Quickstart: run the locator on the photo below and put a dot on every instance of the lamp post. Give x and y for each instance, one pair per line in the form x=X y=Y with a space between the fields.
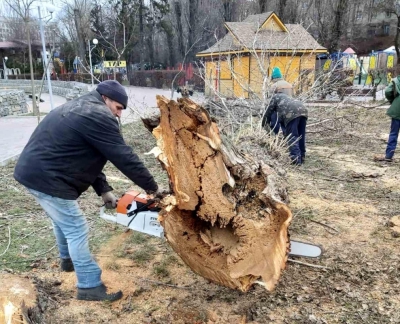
x=45 y=59
x=95 y=42
x=5 y=67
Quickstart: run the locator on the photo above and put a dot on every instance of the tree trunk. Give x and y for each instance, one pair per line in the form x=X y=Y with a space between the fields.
x=193 y=6
x=339 y=24
x=142 y=45
x=178 y=12
x=18 y=300
x=81 y=41
x=166 y=26
x=226 y=218
x=397 y=39
x=35 y=107
x=228 y=10
x=263 y=5
x=150 y=46
x=281 y=9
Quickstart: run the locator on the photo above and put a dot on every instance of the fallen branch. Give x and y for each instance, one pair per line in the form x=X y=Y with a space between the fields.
x=320 y=122
x=368 y=107
x=45 y=252
x=309 y=264
x=9 y=241
x=163 y=284
x=322 y=224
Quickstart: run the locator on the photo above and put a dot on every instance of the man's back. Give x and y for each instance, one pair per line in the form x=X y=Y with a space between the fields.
x=282 y=86
x=58 y=153
x=286 y=107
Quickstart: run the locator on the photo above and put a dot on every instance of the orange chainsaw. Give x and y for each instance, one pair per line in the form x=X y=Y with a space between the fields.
x=139 y=212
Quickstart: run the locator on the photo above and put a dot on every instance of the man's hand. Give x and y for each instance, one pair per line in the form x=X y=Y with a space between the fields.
x=109 y=200
x=159 y=194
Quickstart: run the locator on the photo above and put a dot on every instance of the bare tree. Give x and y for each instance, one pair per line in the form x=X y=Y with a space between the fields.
x=78 y=11
x=393 y=7
x=22 y=9
x=263 y=5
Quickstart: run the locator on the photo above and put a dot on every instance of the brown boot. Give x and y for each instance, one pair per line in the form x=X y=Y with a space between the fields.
x=382 y=158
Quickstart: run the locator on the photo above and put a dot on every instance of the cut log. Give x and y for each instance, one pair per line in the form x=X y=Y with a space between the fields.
x=18 y=299
x=226 y=218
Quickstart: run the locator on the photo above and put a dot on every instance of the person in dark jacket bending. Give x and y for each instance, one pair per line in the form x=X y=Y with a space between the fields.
x=294 y=116
x=63 y=158
x=279 y=86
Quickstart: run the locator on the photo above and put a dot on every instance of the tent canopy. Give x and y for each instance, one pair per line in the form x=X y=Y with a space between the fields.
x=349 y=50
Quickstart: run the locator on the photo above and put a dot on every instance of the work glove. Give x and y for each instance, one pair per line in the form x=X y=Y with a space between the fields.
x=159 y=194
x=110 y=201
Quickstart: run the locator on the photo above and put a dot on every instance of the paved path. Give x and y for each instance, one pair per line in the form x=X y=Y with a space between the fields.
x=14 y=134
x=16 y=131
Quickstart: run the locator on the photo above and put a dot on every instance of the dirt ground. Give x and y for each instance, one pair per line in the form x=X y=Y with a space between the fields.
x=341 y=199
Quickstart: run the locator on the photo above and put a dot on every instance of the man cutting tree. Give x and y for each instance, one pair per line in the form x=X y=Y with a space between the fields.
x=63 y=158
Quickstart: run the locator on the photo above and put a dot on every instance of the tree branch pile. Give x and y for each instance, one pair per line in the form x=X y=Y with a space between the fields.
x=226 y=217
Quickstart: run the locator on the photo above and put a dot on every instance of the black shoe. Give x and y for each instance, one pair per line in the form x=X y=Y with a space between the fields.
x=97 y=294
x=67 y=265
x=303 y=158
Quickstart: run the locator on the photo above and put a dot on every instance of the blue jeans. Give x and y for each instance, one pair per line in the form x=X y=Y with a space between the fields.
x=296 y=131
x=72 y=232
x=394 y=134
x=275 y=124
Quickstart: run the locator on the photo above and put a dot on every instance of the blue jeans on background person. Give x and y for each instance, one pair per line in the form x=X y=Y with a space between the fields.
x=296 y=131
x=392 y=141
x=275 y=124
x=72 y=235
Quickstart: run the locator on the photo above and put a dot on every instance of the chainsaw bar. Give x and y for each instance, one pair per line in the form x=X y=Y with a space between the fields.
x=302 y=249
x=147 y=222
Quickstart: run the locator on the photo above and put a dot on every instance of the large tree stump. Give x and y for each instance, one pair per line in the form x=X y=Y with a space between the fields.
x=226 y=219
x=18 y=299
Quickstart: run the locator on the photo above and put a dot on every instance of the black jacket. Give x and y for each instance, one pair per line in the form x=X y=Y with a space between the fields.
x=68 y=150
x=286 y=107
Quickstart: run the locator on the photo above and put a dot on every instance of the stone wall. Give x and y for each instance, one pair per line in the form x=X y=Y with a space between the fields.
x=12 y=102
x=66 y=89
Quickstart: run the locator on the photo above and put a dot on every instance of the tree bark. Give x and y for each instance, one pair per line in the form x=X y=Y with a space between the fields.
x=226 y=218
x=339 y=24
x=397 y=39
x=193 y=11
x=166 y=26
x=228 y=10
x=263 y=5
x=142 y=45
x=81 y=41
x=281 y=9
x=178 y=12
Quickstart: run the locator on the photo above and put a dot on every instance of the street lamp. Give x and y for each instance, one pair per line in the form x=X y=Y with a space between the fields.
x=5 y=67
x=95 y=42
x=45 y=57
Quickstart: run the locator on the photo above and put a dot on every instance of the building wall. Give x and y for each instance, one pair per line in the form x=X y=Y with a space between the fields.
x=296 y=69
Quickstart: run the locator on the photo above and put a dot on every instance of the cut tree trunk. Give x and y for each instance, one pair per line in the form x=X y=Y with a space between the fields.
x=225 y=218
x=18 y=299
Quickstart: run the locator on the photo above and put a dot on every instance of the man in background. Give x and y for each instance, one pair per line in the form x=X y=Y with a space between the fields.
x=294 y=116
x=279 y=86
x=392 y=92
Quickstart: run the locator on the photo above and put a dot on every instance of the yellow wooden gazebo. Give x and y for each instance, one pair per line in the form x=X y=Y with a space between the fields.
x=239 y=64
